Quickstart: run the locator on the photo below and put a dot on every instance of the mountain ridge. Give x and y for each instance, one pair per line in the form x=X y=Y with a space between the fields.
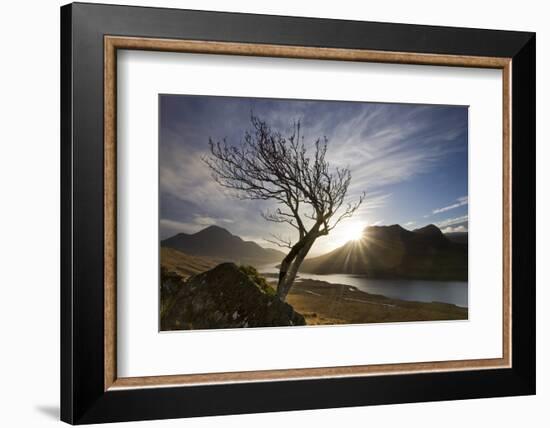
x=217 y=242
x=394 y=252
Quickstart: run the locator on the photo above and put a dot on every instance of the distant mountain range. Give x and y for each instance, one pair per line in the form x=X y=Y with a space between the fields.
x=383 y=252
x=394 y=252
x=461 y=237
x=218 y=243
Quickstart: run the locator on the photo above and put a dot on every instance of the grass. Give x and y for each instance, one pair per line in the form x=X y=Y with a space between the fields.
x=321 y=302
x=324 y=303
x=255 y=276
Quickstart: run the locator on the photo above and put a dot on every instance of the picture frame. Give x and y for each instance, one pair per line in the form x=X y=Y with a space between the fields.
x=91 y=390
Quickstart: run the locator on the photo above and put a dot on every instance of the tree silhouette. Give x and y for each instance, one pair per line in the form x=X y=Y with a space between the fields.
x=310 y=195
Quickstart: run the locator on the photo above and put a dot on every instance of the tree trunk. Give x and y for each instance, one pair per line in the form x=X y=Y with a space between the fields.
x=291 y=264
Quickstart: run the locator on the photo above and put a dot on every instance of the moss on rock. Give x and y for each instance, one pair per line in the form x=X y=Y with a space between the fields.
x=227 y=296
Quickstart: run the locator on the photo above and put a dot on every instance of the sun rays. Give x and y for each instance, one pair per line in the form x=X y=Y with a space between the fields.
x=352 y=231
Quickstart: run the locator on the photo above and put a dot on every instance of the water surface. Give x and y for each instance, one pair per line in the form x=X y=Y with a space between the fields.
x=454 y=292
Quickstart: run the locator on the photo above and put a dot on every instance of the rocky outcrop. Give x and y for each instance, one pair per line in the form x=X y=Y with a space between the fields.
x=225 y=297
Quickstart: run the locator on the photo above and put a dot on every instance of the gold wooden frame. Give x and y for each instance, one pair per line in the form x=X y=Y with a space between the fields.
x=113 y=43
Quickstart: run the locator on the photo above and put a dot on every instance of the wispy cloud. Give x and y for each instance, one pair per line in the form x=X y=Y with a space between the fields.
x=381 y=144
x=385 y=144
x=452 y=221
x=463 y=200
x=451 y=229
x=207 y=221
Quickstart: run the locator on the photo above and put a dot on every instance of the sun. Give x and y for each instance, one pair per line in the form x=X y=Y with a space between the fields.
x=353 y=231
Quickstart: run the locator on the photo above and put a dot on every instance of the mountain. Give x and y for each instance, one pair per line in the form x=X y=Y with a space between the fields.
x=217 y=242
x=461 y=237
x=393 y=252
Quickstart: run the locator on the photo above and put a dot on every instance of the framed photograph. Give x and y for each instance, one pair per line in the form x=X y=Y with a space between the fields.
x=266 y=213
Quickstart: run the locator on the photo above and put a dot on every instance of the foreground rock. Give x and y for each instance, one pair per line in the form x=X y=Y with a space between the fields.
x=225 y=297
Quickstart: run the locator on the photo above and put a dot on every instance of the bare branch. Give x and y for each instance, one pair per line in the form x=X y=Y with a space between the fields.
x=280 y=241
x=267 y=165
x=280 y=217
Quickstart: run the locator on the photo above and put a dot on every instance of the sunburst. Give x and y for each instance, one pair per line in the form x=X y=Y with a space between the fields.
x=352 y=231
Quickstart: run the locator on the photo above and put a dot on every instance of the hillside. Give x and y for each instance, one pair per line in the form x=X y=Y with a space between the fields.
x=184 y=264
x=460 y=237
x=216 y=242
x=393 y=252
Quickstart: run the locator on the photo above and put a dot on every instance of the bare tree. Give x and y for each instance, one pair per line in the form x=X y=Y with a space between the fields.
x=310 y=195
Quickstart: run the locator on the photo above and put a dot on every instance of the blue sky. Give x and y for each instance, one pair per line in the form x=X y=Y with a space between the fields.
x=410 y=159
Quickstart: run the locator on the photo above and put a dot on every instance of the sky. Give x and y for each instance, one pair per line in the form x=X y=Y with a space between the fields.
x=411 y=160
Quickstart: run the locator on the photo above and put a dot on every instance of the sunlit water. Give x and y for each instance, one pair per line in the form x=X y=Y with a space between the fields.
x=454 y=292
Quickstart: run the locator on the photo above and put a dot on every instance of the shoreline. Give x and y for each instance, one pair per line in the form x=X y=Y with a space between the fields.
x=326 y=279
x=323 y=303
x=319 y=301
